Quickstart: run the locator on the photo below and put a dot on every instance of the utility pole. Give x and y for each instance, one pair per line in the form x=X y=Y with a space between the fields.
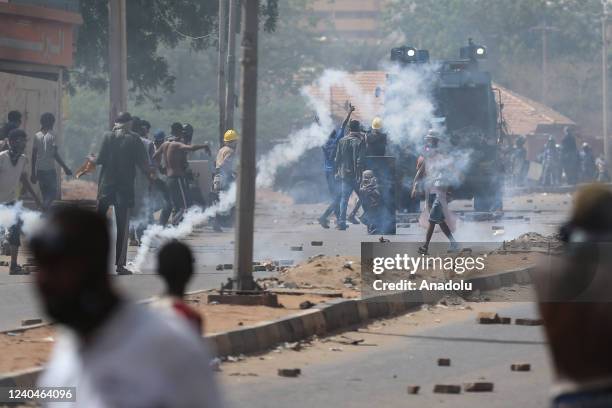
x=230 y=101
x=221 y=72
x=544 y=29
x=604 y=80
x=245 y=207
x=117 y=52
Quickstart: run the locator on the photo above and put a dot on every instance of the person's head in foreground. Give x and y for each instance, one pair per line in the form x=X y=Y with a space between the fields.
x=123 y=354
x=71 y=252
x=576 y=304
x=175 y=266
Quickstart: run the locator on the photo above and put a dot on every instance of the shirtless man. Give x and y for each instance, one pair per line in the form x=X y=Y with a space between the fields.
x=174 y=155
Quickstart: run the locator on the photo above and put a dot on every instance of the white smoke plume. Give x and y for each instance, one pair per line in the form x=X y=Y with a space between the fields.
x=10 y=214
x=409 y=108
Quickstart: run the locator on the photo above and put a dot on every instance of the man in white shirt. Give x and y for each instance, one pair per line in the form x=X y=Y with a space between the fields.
x=44 y=156
x=12 y=172
x=116 y=354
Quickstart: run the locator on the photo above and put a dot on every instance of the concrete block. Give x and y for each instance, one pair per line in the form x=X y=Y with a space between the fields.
x=447 y=389
x=488 y=318
x=413 y=389
x=478 y=387
x=289 y=372
x=520 y=367
x=444 y=362
x=528 y=322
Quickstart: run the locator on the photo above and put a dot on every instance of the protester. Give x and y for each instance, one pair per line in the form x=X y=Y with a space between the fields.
x=373 y=206
x=329 y=158
x=225 y=170
x=12 y=172
x=44 y=157
x=602 y=170
x=588 y=167
x=175 y=266
x=569 y=156
x=114 y=353
x=519 y=163
x=141 y=214
x=162 y=199
x=376 y=139
x=350 y=163
x=13 y=121
x=120 y=154
x=550 y=164
x=174 y=155
x=434 y=171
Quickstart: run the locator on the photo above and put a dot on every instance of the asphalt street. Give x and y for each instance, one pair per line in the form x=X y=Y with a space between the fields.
x=278 y=228
x=378 y=376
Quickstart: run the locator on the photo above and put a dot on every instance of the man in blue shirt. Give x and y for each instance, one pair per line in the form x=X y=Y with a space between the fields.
x=329 y=155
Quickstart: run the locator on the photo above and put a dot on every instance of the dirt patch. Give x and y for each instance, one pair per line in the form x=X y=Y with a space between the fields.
x=324 y=272
x=26 y=349
x=31 y=348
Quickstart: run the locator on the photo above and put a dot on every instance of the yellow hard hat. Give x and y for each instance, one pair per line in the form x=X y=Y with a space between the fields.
x=230 y=136
x=377 y=123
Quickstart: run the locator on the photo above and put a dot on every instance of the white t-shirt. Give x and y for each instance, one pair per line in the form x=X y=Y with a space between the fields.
x=136 y=360
x=45 y=151
x=10 y=175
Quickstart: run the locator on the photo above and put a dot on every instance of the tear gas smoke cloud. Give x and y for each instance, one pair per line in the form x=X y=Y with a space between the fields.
x=9 y=215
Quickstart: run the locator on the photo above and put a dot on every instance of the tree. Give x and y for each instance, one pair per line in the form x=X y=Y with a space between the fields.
x=151 y=26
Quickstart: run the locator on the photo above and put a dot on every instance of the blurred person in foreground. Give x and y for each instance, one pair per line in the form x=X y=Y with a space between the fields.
x=114 y=352
x=576 y=304
x=175 y=266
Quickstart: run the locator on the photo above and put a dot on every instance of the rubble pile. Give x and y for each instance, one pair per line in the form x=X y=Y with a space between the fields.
x=531 y=240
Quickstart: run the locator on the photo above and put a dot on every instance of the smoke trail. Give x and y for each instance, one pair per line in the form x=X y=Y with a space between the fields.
x=11 y=214
x=156 y=235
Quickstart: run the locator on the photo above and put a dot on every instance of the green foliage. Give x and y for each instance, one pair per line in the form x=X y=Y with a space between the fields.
x=152 y=25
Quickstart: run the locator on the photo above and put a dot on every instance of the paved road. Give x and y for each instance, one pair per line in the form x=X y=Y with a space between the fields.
x=278 y=227
x=378 y=376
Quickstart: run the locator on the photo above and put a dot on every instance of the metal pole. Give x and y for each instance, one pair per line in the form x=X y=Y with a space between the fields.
x=221 y=72
x=243 y=255
x=117 y=46
x=604 y=80
x=545 y=65
x=230 y=101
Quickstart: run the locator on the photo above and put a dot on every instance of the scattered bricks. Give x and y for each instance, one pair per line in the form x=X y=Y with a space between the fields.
x=444 y=362
x=297 y=248
x=520 y=367
x=228 y=266
x=31 y=322
x=413 y=389
x=219 y=267
x=259 y=268
x=488 y=318
x=447 y=389
x=505 y=320
x=306 y=305
x=316 y=243
x=478 y=387
x=289 y=372
x=528 y=322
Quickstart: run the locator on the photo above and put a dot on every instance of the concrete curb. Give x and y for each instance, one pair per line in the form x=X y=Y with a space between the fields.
x=322 y=319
